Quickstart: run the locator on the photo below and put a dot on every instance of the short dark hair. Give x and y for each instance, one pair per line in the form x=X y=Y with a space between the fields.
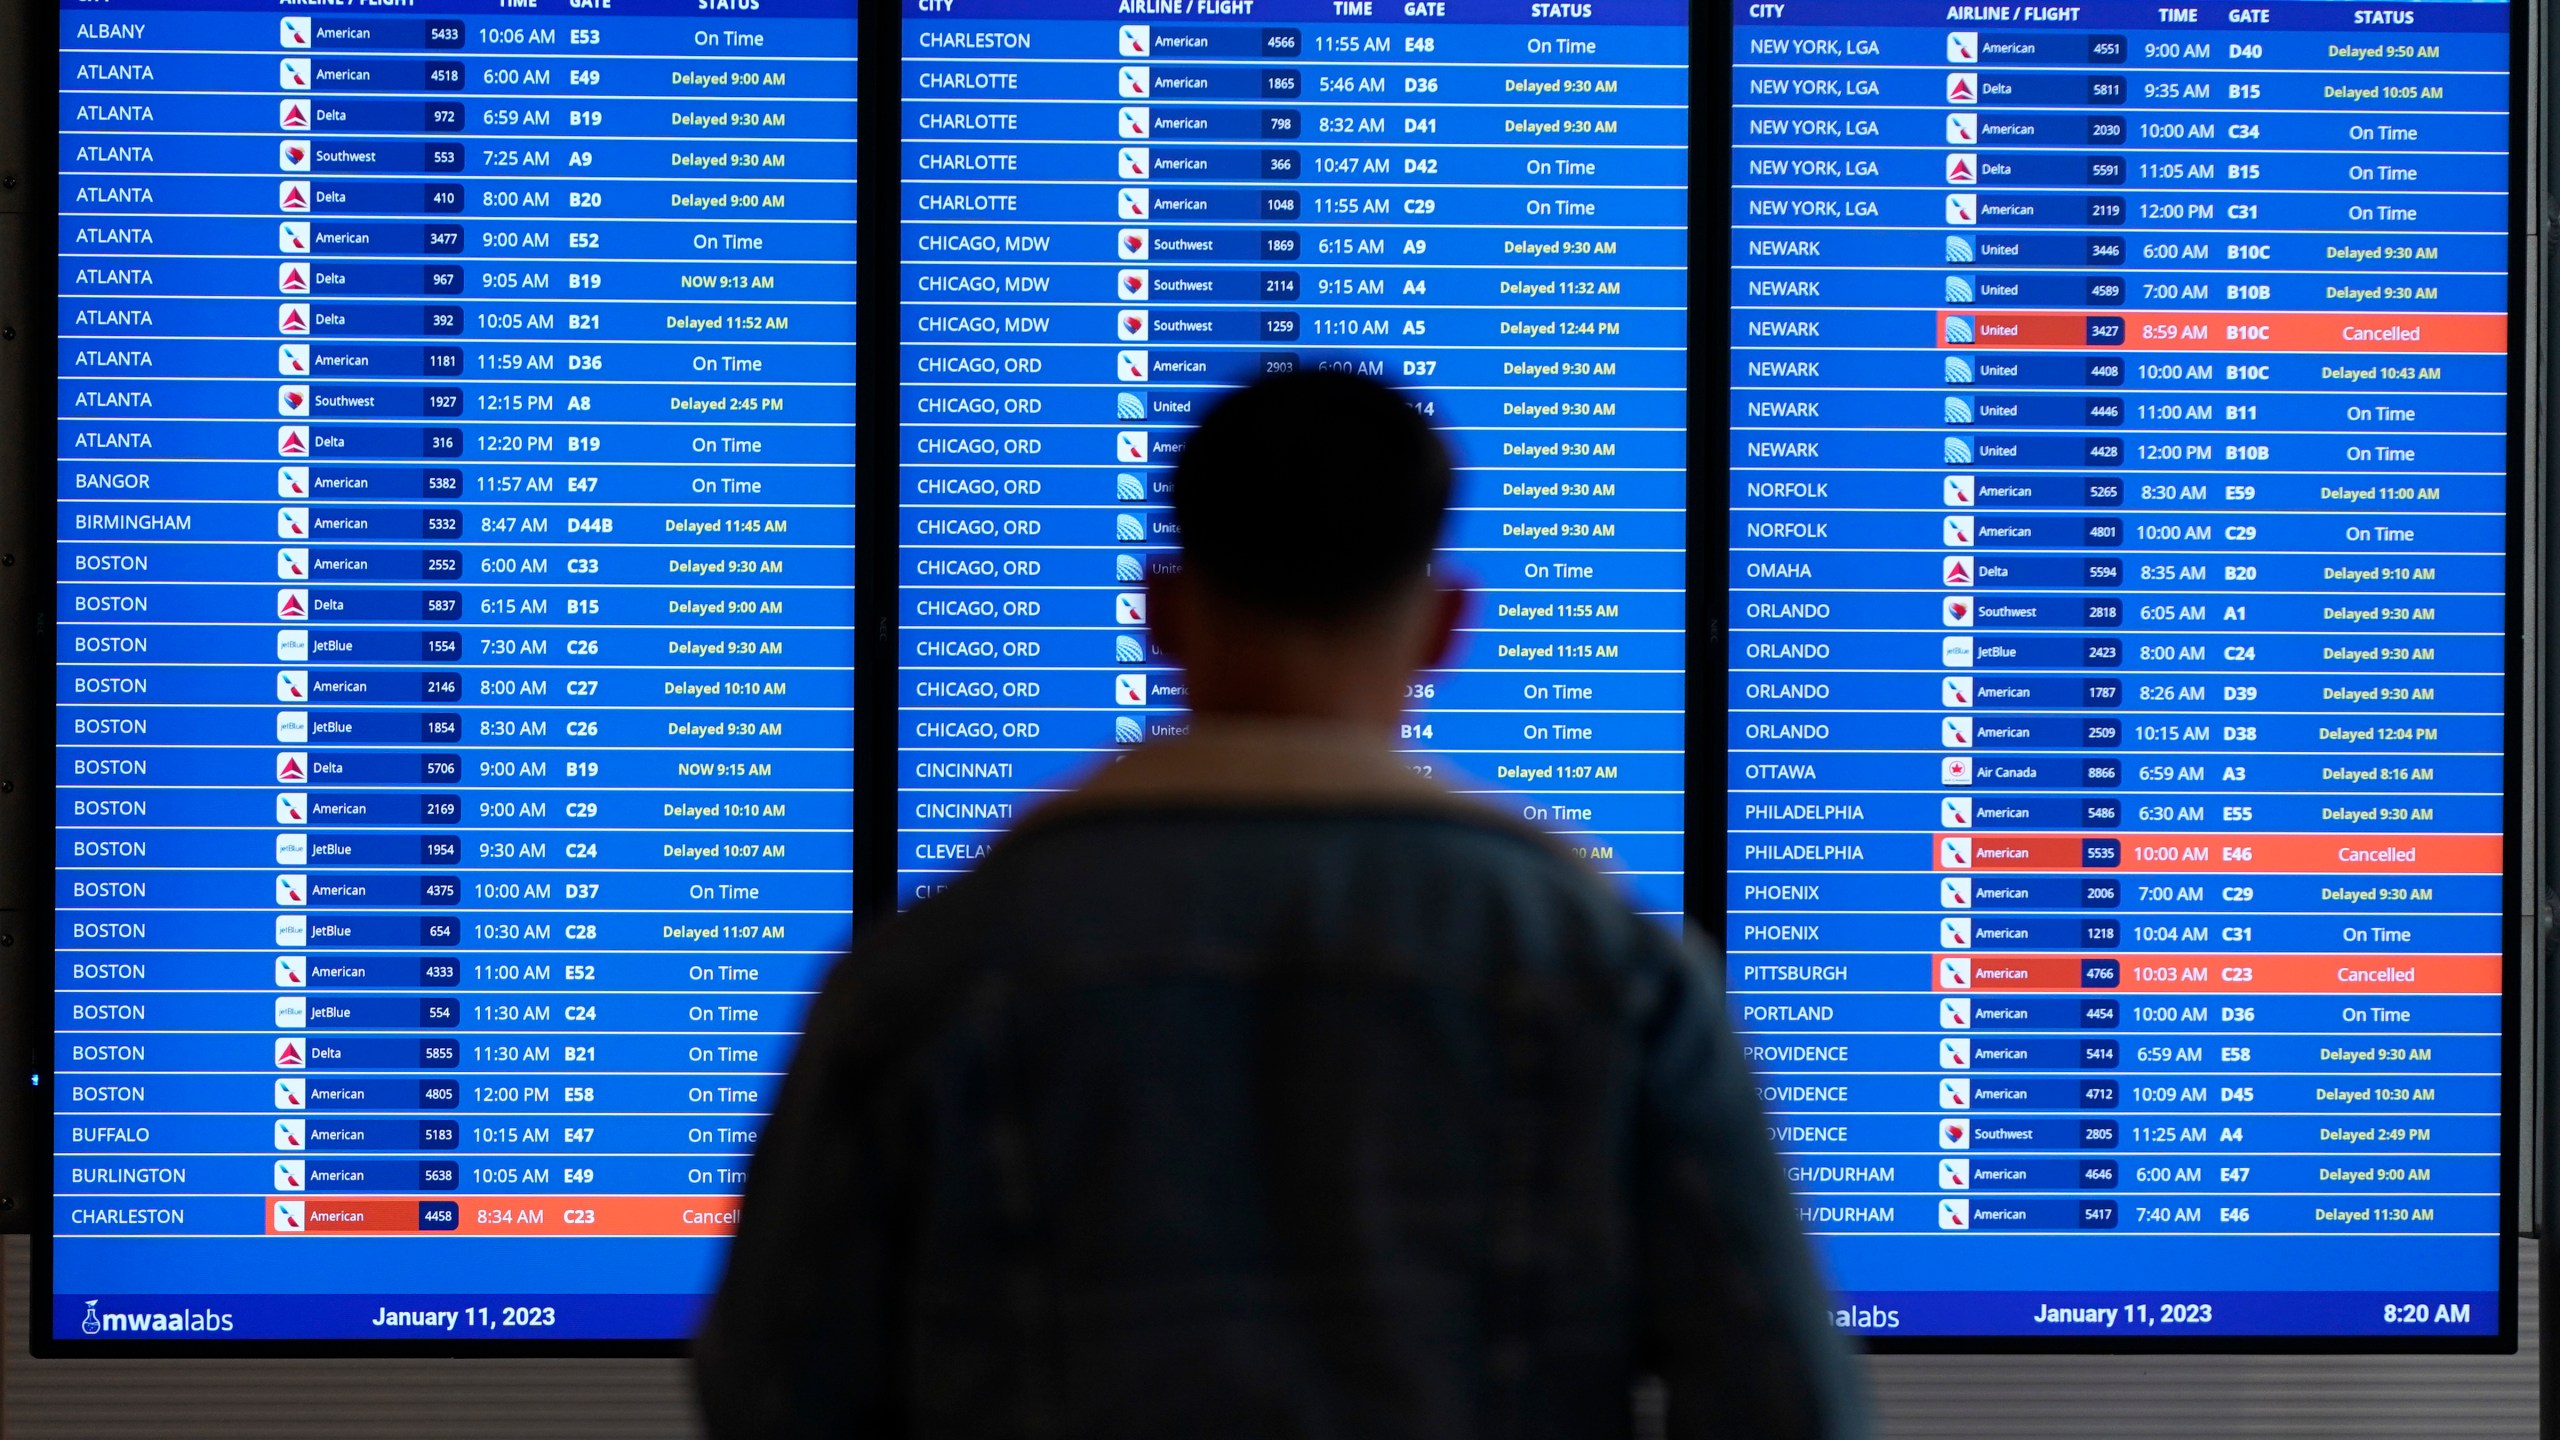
x=1311 y=495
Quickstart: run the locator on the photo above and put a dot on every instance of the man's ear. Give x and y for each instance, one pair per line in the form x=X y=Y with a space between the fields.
x=1449 y=606
x=1172 y=618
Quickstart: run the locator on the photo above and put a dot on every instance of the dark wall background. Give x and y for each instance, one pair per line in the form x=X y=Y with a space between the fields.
x=1921 y=1397
x=26 y=529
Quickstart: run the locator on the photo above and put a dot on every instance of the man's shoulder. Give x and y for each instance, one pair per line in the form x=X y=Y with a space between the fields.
x=1137 y=901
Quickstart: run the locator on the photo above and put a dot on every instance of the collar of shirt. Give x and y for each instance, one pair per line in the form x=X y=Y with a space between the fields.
x=1263 y=764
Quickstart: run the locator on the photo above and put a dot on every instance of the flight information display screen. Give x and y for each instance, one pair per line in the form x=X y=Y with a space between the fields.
x=2120 y=411
x=455 y=599
x=1104 y=218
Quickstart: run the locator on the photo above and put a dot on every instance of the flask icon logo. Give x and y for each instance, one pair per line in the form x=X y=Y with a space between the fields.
x=89 y=1323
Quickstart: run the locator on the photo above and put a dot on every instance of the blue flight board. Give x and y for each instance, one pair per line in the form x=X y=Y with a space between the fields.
x=2120 y=445
x=1106 y=216
x=455 y=655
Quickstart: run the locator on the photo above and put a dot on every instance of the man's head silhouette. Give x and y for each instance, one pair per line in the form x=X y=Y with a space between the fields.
x=1309 y=505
